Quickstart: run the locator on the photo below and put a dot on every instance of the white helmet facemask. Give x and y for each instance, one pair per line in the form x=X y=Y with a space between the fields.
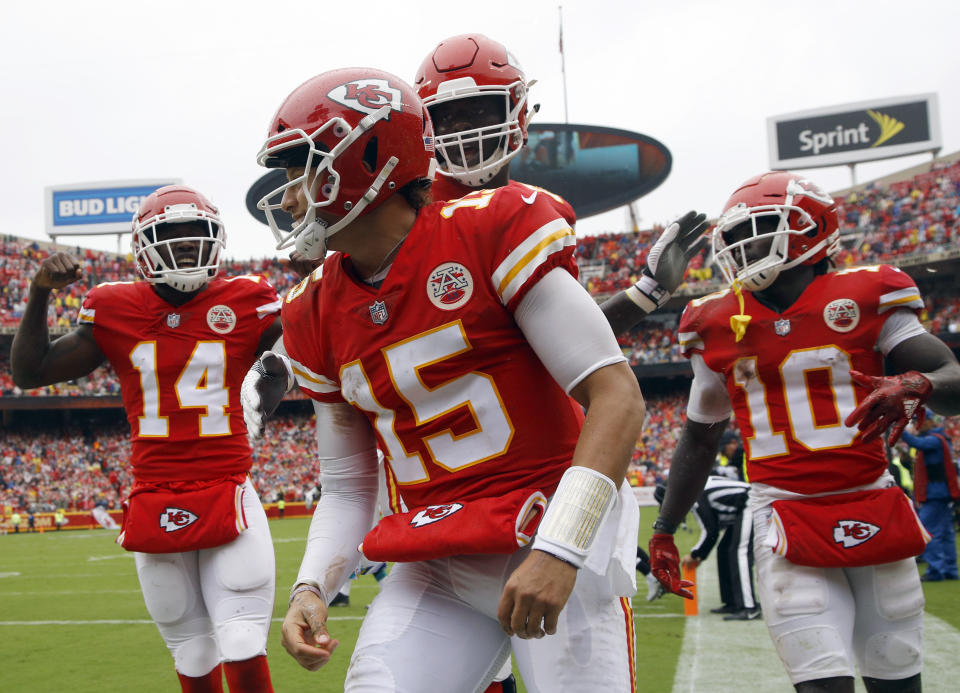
x=319 y=183
x=165 y=261
x=507 y=137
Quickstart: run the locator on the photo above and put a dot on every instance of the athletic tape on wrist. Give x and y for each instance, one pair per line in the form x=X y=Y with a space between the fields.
x=569 y=527
x=648 y=294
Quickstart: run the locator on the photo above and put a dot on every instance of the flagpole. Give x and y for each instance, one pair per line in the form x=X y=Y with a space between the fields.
x=563 y=67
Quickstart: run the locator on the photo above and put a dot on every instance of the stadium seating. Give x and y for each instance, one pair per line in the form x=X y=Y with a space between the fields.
x=77 y=468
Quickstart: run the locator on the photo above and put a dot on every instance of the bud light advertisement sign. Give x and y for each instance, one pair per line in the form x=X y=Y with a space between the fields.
x=96 y=208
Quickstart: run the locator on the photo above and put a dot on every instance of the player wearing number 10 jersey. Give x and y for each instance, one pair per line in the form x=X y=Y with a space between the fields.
x=181 y=342
x=797 y=354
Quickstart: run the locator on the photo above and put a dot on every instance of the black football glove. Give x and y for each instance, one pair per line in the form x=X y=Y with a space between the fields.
x=667 y=261
x=264 y=385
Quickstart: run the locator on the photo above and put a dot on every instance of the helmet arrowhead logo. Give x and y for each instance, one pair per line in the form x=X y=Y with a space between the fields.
x=367 y=95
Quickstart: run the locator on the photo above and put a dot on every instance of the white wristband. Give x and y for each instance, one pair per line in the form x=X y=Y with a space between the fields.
x=648 y=294
x=580 y=505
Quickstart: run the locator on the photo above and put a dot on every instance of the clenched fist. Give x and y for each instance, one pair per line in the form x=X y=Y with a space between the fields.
x=57 y=271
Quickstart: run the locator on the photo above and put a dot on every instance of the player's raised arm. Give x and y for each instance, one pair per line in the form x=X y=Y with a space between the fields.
x=663 y=273
x=35 y=360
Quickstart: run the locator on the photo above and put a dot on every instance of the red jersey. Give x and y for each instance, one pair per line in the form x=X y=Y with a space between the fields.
x=461 y=405
x=789 y=377
x=180 y=369
x=446 y=189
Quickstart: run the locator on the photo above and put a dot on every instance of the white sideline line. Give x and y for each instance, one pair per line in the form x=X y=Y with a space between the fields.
x=42 y=592
x=714 y=651
x=125 y=554
x=132 y=622
x=145 y=621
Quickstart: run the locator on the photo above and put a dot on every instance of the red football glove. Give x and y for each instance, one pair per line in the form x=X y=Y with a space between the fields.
x=665 y=565
x=893 y=401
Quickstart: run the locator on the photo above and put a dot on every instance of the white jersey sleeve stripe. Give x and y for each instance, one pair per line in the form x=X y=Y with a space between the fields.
x=521 y=264
x=709 y=401
x=86 y=316
x=900 y=326
x=269 y=308
x=904 y=298
x=314 y=382
x=689 y=341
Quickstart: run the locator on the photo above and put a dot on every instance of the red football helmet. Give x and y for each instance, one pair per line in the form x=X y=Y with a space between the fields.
x=467 y=66
x=163 y=260
x=803 y=228
x=361 y=134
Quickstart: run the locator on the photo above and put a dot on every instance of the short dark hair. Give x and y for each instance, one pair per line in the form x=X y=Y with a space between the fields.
x=417 y=193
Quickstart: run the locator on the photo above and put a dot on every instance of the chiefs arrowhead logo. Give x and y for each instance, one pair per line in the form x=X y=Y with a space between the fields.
x=434 y=513
x=854 y=532
x=173 y=519
x=368 y=95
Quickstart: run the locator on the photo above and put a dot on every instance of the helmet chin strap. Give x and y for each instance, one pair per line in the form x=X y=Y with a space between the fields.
x=312 y=241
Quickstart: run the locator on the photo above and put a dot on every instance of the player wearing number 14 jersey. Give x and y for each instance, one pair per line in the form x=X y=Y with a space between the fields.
x=797 y=354
x=181 y=342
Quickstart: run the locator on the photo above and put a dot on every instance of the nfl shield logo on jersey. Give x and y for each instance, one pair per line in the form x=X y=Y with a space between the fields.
x=853 y=532
x=842 y=315
x=378 y=312
x=782 y=327
x=173 y=320
x=173 y=519
x=449 y=286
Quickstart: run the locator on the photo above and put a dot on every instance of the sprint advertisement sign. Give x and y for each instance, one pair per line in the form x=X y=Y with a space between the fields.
x=854 y=132
x=96 y=208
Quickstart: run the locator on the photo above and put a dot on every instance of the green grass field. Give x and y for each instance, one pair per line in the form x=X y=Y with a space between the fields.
x=72 y=619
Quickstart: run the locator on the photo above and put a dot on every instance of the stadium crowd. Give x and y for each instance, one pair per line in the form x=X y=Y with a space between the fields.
x=78 y=468
x=904 y=218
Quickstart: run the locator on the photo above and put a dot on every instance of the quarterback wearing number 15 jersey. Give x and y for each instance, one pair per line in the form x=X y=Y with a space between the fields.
x=174 y=366
x=789 y=377
x=433 y=356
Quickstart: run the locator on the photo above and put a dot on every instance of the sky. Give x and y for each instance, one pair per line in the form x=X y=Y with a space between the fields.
x=106 y=90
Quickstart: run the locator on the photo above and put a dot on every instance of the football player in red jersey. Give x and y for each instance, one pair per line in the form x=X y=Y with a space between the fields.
x=477 y=94
x=452 y=335
x=798 y=354
x=180 y=342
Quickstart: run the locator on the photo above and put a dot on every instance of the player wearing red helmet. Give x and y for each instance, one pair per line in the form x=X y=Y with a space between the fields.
x=798 y=354
x=473 y=149
x=451 y=336
x=478 y=98
x=787 y=216
x=180 y=342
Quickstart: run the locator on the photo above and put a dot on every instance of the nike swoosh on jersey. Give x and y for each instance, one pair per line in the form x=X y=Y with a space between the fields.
x=529 y=200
